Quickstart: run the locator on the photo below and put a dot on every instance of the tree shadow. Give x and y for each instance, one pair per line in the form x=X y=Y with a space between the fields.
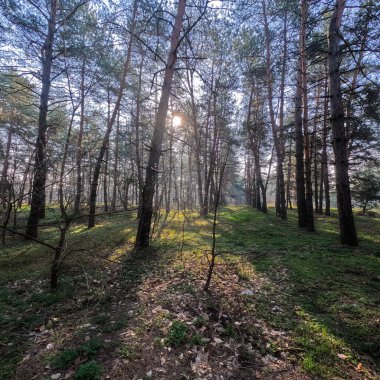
x=335 y=286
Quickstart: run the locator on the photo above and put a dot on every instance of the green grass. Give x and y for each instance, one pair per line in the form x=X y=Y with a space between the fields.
x=336 y=289
x=178 y=334
x=325 y=294
x=88 y=371
x=66 y=358
x=330 y=293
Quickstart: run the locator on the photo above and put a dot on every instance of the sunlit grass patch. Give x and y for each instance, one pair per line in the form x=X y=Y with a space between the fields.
x=307 y=284
x=322 y=348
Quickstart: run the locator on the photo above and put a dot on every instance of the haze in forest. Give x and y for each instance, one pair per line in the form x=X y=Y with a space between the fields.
x=189 y=189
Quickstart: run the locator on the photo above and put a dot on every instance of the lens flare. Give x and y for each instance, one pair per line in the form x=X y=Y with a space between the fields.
x=177 y=121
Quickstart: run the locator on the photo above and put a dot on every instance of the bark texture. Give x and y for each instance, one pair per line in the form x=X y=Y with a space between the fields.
x=37 y=205
x=346 y=218
x=146 y=202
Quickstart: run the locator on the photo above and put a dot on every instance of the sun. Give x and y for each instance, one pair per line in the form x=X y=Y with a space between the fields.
x=177 y=121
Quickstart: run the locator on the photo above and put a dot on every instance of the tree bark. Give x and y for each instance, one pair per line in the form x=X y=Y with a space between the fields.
x=37 y=206
x=289 y=176
x=300 y=175
x=314 y=149
x=346 y=217
x=305 y=122
x=98 y=164
x=79 y=180
x=325 y=167
x=281 y=204
x=116 y=165
x=146 y=203
x=197 y=146
x=4 y=184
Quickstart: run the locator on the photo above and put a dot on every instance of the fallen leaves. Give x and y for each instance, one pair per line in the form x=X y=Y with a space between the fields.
x=201 y=365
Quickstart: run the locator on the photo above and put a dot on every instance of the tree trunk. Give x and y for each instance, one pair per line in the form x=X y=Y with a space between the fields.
x=23 y=183
x=325 y=167
x=197 y=146
x=216 y=205
x=79 y=183
x=138 y=151
x=208 y=191
x=105 y=180
x=116 y=165
x=346 y=217
x=305 y=122
x=300 y=176
x=281 y=204
x=314 y=149
x=4 y=184
x=37 y=206
x=170 y=179
x=289 y=175
x=146 y=204
x=98 y=164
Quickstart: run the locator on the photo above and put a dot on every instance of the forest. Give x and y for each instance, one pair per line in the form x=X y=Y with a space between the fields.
x=189 y=189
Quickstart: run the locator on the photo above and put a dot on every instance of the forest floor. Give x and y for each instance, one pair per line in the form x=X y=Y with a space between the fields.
x=283 y=303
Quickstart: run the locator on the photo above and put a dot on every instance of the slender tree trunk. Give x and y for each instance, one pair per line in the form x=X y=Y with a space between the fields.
x=300 y=175
x=281 y=204
x=4 y=184
x=105 y=180
x=98 y=164
x=37 y=206
x=314 y=149
x=138 y=150
x=116 y=165
x=216 y=206
x=346 y=217
x=350 y=126
x=197 y=146
x=261 y=201
x=289 y=176
x=207 y=201
x=254 y=139
x=23 y=183
x=325 y=167
x=305 y=122
x=146 y=204
x=171 y=166
x=79 y=180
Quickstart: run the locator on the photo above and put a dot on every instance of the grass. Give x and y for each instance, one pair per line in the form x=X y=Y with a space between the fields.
x=335 y=289
x=88 y=371
x=178 y=334
x=88 y=350
x=325 y=295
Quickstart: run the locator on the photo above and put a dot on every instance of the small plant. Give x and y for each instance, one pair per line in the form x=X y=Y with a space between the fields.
x=199 y=321
x=100 y=319
x=88 y=371
x=91 y=347
x=197 y=340
x=178 y=334
x=229 y=330
x=159 y=342
x=127 y=352
x=64 y=359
